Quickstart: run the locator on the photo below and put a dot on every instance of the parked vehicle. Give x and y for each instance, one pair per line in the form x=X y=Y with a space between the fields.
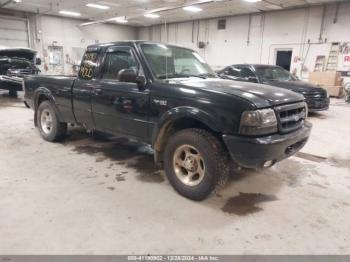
x=15 y=63
x=167 y=96
x=316 y=97
x=347 y=90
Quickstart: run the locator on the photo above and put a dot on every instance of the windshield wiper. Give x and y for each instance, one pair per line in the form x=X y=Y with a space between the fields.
x=177 y=75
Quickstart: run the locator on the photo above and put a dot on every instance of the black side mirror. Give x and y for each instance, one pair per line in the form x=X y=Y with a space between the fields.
x=131 y=76
x=38 y=61
x=127 y=75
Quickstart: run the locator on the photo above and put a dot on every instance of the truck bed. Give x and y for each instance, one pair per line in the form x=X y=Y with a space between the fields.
x=60 y=88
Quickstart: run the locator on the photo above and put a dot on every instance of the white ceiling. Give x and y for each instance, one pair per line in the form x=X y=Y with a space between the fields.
x=135 y=9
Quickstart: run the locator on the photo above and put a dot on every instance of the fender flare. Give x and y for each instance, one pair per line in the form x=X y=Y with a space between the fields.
x=177 y=113
x=48 y=94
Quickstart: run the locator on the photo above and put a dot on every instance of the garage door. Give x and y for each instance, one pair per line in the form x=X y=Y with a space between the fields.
x=13 y=32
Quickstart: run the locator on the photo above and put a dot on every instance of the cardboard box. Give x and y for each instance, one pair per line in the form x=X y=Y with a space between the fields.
x=335 y=91
x=328 y=78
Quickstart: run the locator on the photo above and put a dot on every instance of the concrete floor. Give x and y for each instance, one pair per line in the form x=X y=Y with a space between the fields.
x=95 y=196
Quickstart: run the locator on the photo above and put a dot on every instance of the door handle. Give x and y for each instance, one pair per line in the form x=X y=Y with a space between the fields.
x=98 y=91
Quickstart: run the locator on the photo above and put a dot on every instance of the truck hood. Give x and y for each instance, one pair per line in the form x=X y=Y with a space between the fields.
x=296 y=86
x=258 y=94
x=23 y=53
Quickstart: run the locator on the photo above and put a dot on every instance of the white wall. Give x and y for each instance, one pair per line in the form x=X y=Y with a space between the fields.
x=288 y=29
x=65 y=32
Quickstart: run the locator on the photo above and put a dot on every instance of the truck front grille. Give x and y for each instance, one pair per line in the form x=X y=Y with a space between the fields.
x=291 y=117
x=317 y=95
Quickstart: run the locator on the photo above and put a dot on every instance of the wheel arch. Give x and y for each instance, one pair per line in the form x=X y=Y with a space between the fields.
x=43 y=94
x=178 y=119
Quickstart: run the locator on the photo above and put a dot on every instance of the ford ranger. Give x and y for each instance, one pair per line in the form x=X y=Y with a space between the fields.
x=168 y=97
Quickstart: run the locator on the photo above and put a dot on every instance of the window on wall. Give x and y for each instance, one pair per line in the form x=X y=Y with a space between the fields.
x=116 y=61
x=221 y=24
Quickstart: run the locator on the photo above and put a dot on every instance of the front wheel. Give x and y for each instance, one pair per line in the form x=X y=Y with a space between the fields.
x=51 y=129
x=195 y=163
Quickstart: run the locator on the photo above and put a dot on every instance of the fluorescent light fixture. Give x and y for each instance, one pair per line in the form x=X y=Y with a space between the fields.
x=153 y=16
x=252 y=1
x=70 y=13
x=17 y=1
x=103 y=7
x=120 y=19
x=192 y=8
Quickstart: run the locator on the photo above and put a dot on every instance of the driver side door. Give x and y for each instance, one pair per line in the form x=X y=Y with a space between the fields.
x=120 y=107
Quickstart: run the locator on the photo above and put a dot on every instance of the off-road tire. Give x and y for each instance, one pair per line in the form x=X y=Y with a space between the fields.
x=215 y=158
x=58 y=130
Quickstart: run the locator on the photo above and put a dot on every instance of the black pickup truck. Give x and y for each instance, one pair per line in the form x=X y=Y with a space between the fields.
x=15 y=63
x=316 y=97
x=167 y=96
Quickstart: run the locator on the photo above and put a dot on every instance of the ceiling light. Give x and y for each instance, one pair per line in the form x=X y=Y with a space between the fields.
x=153 y=16
x=121 y=19
x=192 y=8
x=252 y=1
x=70 y=13
x=103 y=7
x=17 y=1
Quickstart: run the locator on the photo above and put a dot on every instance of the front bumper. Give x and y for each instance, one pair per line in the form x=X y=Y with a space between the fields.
x=10 y=83
x=258 y=152
x=318 y=104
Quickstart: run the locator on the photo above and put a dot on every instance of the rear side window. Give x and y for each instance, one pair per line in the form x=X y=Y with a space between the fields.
x=246 y=72
x=88 y=65
x=232 y=71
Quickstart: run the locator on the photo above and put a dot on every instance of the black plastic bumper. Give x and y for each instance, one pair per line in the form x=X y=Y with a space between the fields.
x=265 y=151
x=318 y=105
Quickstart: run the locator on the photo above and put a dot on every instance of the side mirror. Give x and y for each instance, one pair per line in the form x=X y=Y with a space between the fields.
x=127 y=75
x=38 y=61
x=131 y=76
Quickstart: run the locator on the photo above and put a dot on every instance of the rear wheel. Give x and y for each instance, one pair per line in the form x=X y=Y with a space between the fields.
x=195 y=163
x=51 y=129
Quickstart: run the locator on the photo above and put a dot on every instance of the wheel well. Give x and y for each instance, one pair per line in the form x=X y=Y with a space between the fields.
x=41 y=99
x=171 y=128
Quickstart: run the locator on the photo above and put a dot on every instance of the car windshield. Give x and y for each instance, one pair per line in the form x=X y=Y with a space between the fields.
x=175 y=62
x=274 y=74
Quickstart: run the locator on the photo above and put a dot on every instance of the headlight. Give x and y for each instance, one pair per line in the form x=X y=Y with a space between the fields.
x=259 y=122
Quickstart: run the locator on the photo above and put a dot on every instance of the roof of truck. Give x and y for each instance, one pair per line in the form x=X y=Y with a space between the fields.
x=130 y=42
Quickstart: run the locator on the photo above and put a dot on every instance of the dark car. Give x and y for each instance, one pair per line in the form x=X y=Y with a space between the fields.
x=167 y=96
x=316 y=97
x=15 y=63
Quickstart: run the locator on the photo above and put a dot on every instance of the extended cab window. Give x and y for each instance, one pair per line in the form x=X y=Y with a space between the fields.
x=116 y=61
x=88 y=65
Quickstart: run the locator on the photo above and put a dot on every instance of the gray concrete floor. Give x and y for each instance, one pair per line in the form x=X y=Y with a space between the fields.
x=95 y=196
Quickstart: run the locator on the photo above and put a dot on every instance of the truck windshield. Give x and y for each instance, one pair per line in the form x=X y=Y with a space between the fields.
x=274 y=74
x=175 y=62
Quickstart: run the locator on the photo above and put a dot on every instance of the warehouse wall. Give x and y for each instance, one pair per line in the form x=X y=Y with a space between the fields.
x=288 y=29
x=50 y=34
